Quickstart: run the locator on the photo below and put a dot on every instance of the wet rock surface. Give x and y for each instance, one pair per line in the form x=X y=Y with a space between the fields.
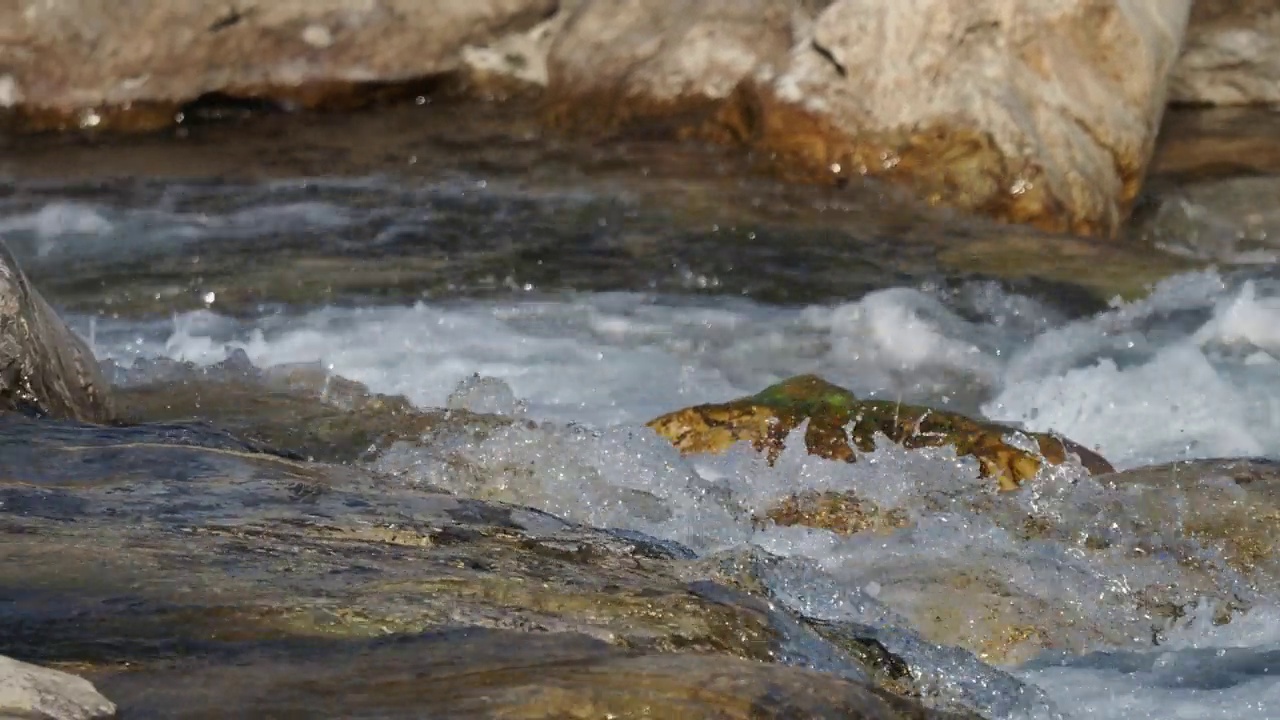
x=236 y=559
x=493 y=673
x=1232 y=503
x=314 y=415
x=45 y=368
x=1220 y=550
x=839 y=426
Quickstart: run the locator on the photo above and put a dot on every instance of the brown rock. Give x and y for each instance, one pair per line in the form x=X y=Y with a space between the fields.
x=44 y=367
x=85 y=60
x=841 y=425
x=1231 y=55
x=1041 y=114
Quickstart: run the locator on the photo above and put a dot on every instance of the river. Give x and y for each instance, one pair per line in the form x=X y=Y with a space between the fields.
x=592 y=288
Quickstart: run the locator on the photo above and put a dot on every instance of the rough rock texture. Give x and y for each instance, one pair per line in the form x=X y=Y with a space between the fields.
x=1042 y=113
x=508 y=674
x=245 y=584
x=624 y=60
x=32 y=692
x=1231 y=54
x=65 y=57
x=44 y=367
x=841 y=425
x=843 y=513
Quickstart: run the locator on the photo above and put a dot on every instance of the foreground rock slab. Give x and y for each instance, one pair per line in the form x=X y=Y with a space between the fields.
x=840 y=425
x=32 y=692
x=247 y=584
x=44 y=367
x=504 y=673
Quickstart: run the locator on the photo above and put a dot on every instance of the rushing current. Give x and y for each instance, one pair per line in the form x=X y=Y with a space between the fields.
x=1192 y=370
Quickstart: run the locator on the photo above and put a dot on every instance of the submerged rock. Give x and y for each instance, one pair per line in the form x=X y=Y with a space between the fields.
x=234 y=571
x=840 y=425
x=1071 y=564
x=1231 y=55
x=1227 y=504
x=44 y=367
x=32 y=692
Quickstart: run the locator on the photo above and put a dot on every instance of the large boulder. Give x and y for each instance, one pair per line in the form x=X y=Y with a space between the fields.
x=82 y=61
x=1231 y=55
x=1043 y=114
x=45 y=368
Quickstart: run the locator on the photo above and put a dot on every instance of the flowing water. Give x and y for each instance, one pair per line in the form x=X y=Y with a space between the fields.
x=590 y=303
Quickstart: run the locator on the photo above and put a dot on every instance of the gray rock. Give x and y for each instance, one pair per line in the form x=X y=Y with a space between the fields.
x=44 y=367
x=1043 y=113
x=77 y=56
x=650 y=58
x=1231 y=55
x=243 y=584
x=31 y=692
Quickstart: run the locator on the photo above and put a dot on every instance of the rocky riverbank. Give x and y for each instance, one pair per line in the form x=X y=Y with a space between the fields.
x=1044 y=117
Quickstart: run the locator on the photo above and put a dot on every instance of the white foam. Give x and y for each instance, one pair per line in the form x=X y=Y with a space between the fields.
x=1187 y=372
x=1204 y=671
